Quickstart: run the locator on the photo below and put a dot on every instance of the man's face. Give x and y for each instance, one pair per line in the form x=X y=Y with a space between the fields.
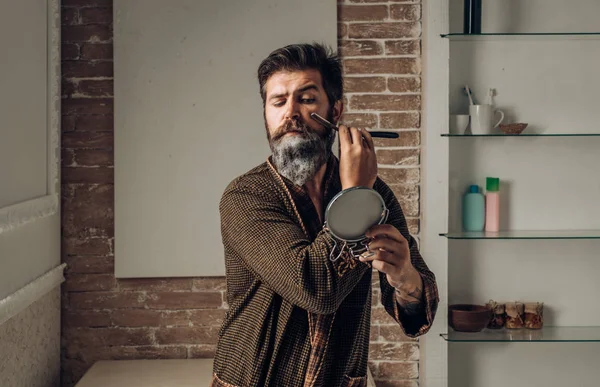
x=292 y=96
x=299 y=144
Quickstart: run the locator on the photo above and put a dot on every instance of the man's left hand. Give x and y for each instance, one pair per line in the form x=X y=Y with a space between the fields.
x=389 y=253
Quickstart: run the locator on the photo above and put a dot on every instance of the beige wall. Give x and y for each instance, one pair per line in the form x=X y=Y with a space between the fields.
x=29 y=217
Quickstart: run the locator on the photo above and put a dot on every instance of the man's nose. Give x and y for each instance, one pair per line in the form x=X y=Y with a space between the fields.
x=292 y=112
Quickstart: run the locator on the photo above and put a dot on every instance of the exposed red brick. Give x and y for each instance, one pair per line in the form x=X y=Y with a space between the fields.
x=89 y=282
x=94 y=123
x=362 y=12
x=411 y=120
x=93 y=157
x=405 y=191
x=382 y=66
x=87 y=69
x=405 y=12
x=100 y=15
x=90 y=246
x=177 y=318
x=413 y=225
x=184 y=300
x=207 y=317
x=393 y=333
x=384 y=30
x=87 y=318
x=87 y=140
x=156 y=284
x=374 y=333
x=394 y=351
x=364 y=84
x=107 y=300
x=87 y=3
x=360 y=120
x=349 y=48
x=403 y=47
x=67 y=123
x=404 y=84
x=87 y=106
x=385 y=102
x=397 y=370
x=187 y=335
x=399 y=175
x=69 y=51
x=209 y=284
x=136 y=317
x=397 y=383
x=95 y=87
x=98 y=175
x=92 y=51
x=67 y=88
x=79 y=215
x=203 y=351
x=89 y=264
x=113 y=336
x=86 y=33
x=342 y=30
x=69 y=16
x=398 y=156
x=377 y=1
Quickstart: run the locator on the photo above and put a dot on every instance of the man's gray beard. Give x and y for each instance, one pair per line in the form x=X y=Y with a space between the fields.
x=300 y=157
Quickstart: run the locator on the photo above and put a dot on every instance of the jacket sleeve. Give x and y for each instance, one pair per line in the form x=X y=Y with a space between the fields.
x=269 y=241
x=416 y=325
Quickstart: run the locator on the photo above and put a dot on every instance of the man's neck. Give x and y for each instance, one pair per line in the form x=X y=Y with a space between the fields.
x=314 y=185
x=314 y=190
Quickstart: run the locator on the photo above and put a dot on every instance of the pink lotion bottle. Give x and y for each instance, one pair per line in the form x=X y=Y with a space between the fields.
x=492 y=204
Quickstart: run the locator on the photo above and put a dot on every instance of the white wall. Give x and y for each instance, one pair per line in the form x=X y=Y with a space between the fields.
x=547 y=183
x=188 y=119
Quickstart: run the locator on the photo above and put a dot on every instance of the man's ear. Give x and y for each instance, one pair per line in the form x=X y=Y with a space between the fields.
x=338 y=108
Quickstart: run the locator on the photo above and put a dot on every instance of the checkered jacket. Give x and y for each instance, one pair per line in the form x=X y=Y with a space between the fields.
x=295 y=318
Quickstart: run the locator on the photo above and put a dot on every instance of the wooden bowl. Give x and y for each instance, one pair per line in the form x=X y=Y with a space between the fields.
x=468 y=317
x=515 y=128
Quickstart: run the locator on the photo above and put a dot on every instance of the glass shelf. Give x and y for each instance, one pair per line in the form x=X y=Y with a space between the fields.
x=520 y=35
x=523 y=135
x=525 y=234
x=546 y=334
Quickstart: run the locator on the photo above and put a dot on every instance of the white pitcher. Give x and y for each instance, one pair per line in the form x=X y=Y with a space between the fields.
x=482 y=119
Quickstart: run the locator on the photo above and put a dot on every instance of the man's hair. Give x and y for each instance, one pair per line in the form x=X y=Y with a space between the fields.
x=297 y=57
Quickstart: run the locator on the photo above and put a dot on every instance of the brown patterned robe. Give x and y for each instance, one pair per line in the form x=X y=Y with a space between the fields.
x=296 y=319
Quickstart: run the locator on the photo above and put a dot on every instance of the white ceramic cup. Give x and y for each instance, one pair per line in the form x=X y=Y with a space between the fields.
x=458 y=123
x=482 y=119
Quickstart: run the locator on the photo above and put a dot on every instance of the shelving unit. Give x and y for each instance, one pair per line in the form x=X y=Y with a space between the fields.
x=522 y=135
x=547 y=334
x=548 y=248
x=525 y=234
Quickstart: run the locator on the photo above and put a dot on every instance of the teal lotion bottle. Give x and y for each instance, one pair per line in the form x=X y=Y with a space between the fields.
x=473 y=210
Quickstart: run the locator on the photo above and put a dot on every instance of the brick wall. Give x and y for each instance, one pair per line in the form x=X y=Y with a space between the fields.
x=106 y=318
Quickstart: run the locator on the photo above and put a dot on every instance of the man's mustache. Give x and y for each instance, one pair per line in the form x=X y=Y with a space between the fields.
x=290 y=126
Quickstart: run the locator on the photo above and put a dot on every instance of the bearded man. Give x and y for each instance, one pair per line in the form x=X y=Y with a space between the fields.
x=295 y=317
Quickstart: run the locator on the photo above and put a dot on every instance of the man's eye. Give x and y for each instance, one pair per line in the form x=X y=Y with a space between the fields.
x=308 y=100
x=279 y=103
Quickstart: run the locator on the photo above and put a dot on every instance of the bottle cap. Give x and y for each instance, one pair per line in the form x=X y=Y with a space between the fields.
x=492 y=184
x=474 y=189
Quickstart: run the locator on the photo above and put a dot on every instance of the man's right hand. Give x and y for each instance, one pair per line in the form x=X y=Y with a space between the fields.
x=358 y=163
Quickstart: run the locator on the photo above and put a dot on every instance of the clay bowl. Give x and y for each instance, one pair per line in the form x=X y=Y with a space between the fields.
x=468 y=317
x=515 y=128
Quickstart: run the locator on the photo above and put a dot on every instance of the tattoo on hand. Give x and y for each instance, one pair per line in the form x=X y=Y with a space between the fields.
x=413 y=304
x=413 y=308
x=417 y=293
